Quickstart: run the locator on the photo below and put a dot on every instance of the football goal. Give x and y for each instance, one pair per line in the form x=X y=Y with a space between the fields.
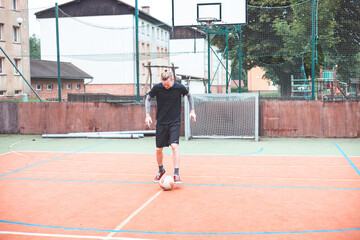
x=234 y=115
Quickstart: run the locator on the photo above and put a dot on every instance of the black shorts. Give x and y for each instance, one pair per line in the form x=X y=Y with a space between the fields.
x=166 y=134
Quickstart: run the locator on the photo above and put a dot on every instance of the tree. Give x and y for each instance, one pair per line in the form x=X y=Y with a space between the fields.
x=278 y=37
x=346 y=51
x=262 y=44
x=34 y=47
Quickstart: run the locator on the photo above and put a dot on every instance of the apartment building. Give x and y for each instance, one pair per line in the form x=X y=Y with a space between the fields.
x=14 y=40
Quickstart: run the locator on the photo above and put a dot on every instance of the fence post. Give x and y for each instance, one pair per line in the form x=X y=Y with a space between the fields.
x=313 y=53
x=58 y=48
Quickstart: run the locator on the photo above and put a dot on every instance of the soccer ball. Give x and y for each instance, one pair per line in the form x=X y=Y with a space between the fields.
x=167 y=182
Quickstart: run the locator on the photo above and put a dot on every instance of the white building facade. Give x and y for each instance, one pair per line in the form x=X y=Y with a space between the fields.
x=104 y=44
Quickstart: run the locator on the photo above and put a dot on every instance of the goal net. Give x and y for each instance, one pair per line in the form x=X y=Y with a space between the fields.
x=234 y=115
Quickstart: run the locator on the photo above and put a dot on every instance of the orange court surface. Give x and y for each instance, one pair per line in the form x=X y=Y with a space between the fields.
x=276 y=188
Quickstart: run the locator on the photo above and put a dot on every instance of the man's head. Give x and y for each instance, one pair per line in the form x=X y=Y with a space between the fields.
x=167 y=80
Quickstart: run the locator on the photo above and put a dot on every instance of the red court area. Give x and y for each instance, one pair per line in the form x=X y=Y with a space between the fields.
x=47 y=195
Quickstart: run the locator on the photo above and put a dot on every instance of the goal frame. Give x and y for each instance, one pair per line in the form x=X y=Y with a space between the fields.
x=255 y=117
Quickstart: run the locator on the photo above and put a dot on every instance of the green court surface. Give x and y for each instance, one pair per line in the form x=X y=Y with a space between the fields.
x=266 y=146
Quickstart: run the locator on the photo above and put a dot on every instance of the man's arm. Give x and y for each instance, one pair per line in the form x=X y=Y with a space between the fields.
x=192 y=110
x=148 y=119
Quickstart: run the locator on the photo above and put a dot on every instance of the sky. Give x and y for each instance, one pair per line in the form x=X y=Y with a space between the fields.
x=160 y=9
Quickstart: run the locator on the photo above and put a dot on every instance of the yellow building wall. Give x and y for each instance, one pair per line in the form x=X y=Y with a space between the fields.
x=256 y=82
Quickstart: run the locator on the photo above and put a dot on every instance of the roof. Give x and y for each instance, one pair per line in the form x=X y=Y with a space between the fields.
x=48 y=69
x=82 y=8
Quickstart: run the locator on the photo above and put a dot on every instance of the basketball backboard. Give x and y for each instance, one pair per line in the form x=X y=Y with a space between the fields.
x=219 y=12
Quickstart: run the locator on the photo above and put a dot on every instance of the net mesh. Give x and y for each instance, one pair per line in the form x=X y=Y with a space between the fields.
x=276 y=50
x=224 y=116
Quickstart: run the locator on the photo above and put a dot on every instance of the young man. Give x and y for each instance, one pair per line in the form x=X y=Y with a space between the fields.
x=168 y=115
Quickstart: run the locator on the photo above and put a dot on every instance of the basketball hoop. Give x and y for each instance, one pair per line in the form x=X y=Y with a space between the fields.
x=206 y=22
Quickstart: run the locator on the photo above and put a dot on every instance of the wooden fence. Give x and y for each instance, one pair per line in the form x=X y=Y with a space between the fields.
x=276 y=118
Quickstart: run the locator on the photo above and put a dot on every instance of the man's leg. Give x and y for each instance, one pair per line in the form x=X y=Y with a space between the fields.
x=176 y=154
x=161 y=138
x=159 y=158
x=176 y=160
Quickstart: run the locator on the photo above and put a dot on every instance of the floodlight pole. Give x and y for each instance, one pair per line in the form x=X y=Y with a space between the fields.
x=24 y=96
x=2 y=50
x=58 y=49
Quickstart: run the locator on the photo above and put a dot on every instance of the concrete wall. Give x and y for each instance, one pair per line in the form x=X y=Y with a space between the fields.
x=277 y=119
x=309 y=119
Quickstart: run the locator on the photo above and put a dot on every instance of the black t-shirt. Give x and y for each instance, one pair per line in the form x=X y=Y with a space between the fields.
x=168 y=102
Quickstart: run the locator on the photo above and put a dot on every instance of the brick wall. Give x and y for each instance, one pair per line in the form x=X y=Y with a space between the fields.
x=115 y=89
x=276 y=119
x=54 y=94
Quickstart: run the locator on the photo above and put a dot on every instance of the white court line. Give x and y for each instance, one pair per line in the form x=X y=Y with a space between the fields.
x=208 y=165
x=199 y=176
x=10 y=148
x=4 y=153
x=199 y=154
x=67 y=236
x=133 y=215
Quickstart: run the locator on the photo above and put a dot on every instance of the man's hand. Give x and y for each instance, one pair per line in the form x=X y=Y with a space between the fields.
x=148 y=120
x=192 y=115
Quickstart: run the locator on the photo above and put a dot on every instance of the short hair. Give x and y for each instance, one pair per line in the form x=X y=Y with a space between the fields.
x=165 y=75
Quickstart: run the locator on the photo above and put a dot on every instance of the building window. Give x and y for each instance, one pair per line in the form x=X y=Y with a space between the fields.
x=14 y=4
x=143 y=49
x=1 y=30
x=2 y=93
x=1 y=65
x=49 y=87
x=148 y=50
x=16 y=34
x=1 y=3
x=17 y=92
x=78 y=86
x=38 y=87
x=148 y=30
x=142 y=28
x=17 y=64
x=68 y=86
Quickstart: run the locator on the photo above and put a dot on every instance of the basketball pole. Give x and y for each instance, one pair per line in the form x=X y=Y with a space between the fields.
x=240 y=60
